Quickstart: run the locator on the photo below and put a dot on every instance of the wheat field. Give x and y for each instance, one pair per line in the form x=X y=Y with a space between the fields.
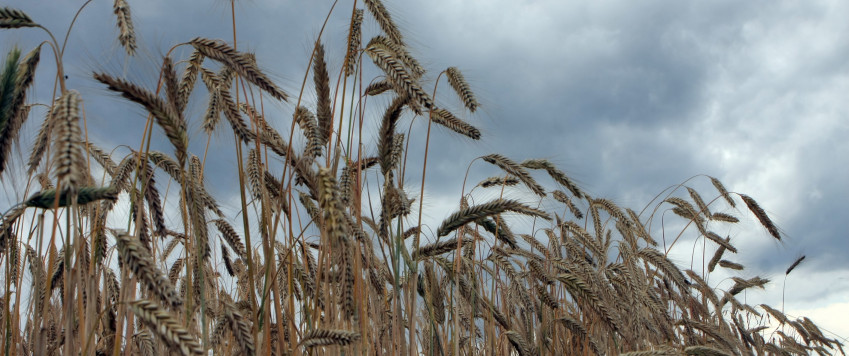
x=124 y=251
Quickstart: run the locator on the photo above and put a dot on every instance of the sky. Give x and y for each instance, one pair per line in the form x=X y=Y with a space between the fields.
x=627 y=98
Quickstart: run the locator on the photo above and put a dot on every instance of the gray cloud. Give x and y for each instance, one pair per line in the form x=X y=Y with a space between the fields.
x=628 y=99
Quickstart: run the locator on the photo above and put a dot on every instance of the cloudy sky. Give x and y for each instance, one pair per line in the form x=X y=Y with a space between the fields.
x=627 y=98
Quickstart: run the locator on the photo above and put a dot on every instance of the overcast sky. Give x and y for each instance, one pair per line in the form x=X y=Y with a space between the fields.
x=628 y=98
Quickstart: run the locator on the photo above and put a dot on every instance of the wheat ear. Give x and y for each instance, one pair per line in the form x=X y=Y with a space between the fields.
x=14 y=18
x=322 y=92
x=13 y=112
x=231 y=237
x=127 y=36
x=402 y=54
x=68 y=160
x=187 y=82
x=794 y=265
x=563 y=198
x=45 y=199
x=134 y=255
x=171 y=122
x=42 y=140
x=446 y=118
x=516 y=170
x=240 y=63
x=404 y=84
x=761 y=215
x=323 y=337
x=722 y=191
x=377 y=88
x=170 y=331
x=354 y=40
x=387 y=132
x=384 y=20
x=464 y=91
x=438 y=248
x=474 y=213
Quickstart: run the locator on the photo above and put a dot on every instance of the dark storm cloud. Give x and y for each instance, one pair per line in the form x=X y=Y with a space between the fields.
x=627 y=98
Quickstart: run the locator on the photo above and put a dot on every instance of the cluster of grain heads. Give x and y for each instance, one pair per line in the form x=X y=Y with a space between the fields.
x=324 y=256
